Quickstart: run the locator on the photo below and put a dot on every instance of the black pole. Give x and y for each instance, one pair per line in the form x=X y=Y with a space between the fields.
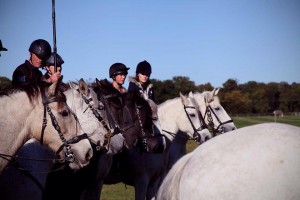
x=54 y=34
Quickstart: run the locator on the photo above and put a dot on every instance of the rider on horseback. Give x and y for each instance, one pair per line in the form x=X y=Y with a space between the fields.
x=113 y=95
x=143 y=86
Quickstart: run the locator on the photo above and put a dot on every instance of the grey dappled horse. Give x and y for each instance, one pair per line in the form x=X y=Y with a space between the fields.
x=40 y=112
x=255 y=162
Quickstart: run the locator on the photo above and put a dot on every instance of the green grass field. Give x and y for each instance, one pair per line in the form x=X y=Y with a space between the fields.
x=125 y=192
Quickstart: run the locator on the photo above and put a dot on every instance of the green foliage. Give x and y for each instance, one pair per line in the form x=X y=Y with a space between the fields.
x=5 y=83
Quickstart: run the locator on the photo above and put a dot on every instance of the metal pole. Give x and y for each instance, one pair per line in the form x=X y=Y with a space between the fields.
x=54 y=34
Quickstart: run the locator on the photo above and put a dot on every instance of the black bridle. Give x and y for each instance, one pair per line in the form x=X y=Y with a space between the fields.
x=208 y=113
x=195 y=134
x=69 y=155
x=108 y=134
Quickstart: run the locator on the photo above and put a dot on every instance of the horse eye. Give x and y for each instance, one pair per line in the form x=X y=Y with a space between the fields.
x=217 y=108
x=64 y=113
x=192 y=115
x=101 y=107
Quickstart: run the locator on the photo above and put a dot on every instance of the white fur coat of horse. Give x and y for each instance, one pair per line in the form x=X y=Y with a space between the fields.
x=21 y=118
x=258 y=162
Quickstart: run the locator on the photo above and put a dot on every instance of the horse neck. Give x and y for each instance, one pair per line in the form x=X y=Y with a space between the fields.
x=167 y=114
x=16 y=114
x=88 y=121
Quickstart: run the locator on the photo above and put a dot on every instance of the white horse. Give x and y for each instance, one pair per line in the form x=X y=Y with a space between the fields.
x=144 y=170
x=256 y=162
x=24 y=112
x=213 y=115
x=26 y=179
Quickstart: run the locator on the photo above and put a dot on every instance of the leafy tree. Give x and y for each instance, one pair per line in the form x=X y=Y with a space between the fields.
x=183 y=84
x=235 y=102
x=205 y=87
x=5 y=83
x=230 y=85
x=273 y=95
x=293 y=98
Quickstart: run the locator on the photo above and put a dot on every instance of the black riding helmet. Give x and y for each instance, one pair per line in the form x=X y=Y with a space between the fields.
x=50 y=60
x=144 y=68
x=118 y=68
x=41 y=48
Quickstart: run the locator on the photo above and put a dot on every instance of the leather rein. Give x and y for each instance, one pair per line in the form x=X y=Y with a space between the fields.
x=108 y=134
x=208 y=112
x=69 y=155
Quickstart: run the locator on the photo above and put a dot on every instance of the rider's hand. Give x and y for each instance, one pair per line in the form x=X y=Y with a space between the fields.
x=54 y=77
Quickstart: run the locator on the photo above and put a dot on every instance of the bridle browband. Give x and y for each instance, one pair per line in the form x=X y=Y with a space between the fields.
x=209 y=111
x=195 y=134
x=69 y=155
x=108 y=134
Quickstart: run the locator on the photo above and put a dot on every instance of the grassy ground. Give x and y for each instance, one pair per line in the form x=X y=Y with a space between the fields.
x=123 y=192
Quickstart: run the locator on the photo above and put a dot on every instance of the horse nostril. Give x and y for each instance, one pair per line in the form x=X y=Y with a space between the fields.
x=206 y=138
x=89 y=155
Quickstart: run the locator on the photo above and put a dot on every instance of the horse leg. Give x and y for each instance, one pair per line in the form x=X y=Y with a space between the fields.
x=141 y=188
x=92 y=192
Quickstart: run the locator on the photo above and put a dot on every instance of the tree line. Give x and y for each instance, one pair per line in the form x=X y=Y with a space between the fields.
x=248 y=98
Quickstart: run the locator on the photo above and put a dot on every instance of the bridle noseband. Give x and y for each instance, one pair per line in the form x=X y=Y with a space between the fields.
x=209 y=111
x=195 y=134
x=108 y=134
x=69 y=155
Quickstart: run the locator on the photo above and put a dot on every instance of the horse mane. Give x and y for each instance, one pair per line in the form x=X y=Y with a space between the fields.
x=32 y=91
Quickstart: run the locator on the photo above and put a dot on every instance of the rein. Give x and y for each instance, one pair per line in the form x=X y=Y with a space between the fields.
x=69 y=155
x=195 y=134
x=209 y=111
x=108 y=134
x=144 y=137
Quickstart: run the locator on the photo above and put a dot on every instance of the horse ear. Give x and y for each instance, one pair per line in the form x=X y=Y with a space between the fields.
x=184 y=100
x=98 y=82
x=73 y=85
x=83 y=87
x=216 y=90
x=191 y=94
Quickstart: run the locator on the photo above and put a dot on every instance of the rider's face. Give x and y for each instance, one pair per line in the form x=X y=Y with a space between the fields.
x=143 y=78
x=120 y=78
x=35 y=60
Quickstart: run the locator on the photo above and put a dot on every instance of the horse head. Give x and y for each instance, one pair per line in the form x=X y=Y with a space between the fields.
x=41 y=112
x=212 y=112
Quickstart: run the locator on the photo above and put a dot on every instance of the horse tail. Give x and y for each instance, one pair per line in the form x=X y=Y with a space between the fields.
x=170 y=187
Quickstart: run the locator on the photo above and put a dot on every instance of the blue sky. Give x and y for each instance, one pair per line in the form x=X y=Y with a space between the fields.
x=205 y=40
